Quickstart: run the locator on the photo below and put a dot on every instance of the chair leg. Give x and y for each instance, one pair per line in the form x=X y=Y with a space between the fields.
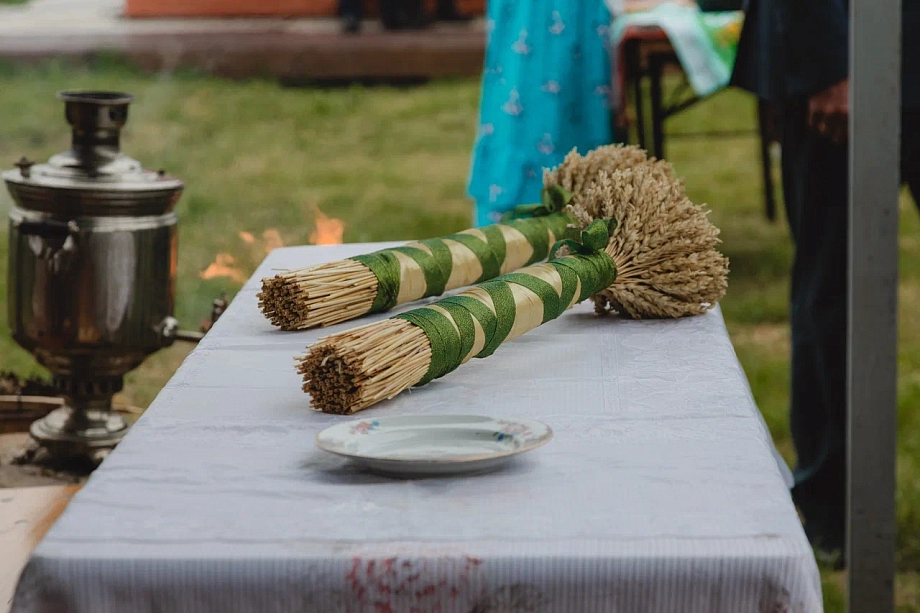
x=656 y=69
x=634 y=62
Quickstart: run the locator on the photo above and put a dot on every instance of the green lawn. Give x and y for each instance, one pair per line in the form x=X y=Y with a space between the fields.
x=392 y=164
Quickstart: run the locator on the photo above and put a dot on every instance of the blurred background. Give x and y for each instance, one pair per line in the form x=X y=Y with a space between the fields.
x=287 y=130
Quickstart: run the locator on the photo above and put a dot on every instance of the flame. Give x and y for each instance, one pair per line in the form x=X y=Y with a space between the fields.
x=223 y=266
x=272 y=240
x=328 y=230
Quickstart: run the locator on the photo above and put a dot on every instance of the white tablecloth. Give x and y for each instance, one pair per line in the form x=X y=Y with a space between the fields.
x=660 y=491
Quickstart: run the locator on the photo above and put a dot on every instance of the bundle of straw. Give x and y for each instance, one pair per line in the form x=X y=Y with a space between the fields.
x=339 y=291
x=658 y=259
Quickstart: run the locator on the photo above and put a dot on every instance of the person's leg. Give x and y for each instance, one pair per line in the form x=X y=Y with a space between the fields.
x=351 y=12
x=403 y=14
x=815 y=190
x=389 y=14
x=910 y=152
x=447 y=11
x=417 y=16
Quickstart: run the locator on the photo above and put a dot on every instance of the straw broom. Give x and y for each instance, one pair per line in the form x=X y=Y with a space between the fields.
x=339 y=291
x=646 y=251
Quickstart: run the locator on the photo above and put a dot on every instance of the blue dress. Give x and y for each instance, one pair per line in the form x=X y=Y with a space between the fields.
x=545 y=90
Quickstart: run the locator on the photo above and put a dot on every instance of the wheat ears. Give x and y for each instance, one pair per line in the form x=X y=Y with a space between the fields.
x=664 y=245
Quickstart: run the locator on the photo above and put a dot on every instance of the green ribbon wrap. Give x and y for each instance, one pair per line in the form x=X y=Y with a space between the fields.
x=475 y=322
x=540 y=225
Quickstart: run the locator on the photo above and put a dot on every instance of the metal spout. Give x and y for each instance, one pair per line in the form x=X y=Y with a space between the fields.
x=96 y=119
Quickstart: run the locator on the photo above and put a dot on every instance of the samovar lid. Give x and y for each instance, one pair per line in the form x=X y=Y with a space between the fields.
x=94 y=177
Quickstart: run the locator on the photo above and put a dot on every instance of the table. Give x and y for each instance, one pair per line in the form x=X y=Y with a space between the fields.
x=660 y=491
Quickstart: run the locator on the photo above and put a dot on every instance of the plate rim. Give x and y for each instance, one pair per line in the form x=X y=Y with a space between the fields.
x=550 y=434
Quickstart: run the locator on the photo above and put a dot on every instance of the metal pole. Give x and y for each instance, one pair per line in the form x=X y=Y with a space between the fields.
x=874 y=149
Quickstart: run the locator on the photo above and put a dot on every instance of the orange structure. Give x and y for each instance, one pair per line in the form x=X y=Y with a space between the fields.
x=261 y=8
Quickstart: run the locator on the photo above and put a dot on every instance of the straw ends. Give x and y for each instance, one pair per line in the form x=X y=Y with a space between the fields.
x=352 y=370
x=318 y=296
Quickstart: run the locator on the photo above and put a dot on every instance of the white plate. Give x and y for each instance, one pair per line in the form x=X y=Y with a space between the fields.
x=426 y=445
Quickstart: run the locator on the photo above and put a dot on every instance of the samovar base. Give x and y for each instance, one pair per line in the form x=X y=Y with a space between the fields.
x=84 y=427
x=67 y=432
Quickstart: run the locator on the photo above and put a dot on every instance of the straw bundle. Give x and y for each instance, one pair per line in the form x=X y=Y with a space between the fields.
x=339 y=291
x=658 y=259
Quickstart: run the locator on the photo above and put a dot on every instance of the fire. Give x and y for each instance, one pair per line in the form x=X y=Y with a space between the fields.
x=328 y=230
x=272 y=239
x=223 y=266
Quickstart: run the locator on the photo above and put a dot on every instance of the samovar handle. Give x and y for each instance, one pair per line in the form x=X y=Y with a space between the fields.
x=48 y=228
x=58 y=257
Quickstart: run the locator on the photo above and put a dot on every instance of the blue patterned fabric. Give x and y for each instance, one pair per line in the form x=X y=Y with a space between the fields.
x=545 y=90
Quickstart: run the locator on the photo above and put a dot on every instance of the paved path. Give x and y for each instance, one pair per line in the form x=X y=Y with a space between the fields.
x=285 y=48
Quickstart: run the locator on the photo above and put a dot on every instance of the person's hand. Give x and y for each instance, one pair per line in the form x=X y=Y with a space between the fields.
x=828 y=111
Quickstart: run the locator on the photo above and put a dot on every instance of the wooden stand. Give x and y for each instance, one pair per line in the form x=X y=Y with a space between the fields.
x=18 y=412
x=26 y=514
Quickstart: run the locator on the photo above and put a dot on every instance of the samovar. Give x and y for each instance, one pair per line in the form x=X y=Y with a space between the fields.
x=92 y=268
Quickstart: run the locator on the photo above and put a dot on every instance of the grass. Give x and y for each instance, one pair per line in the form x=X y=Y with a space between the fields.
x=392 y=164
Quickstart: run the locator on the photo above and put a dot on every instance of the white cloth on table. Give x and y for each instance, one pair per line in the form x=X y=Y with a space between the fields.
x=659 y=492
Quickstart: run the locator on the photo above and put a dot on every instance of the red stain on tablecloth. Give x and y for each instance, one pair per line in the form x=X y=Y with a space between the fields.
x=354 y=582
x=412 y=578
x=430 y=585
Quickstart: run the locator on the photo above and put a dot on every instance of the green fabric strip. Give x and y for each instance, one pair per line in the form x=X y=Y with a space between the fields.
x=553 y=200
x=484 y=252
x=385 y=267
x=476 y=309
x=467 y=336
x=438 y=265
x=594 y=271
x=536 y=231
x=496 y=241
x=441 y=334
x=504 y=315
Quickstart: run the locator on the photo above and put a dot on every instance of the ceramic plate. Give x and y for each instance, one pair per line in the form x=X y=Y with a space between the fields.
x=425 y=445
